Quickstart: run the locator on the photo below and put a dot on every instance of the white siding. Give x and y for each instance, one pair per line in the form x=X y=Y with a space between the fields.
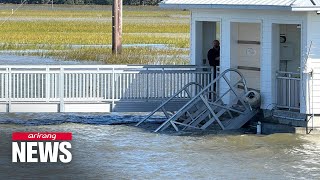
x=314 y=62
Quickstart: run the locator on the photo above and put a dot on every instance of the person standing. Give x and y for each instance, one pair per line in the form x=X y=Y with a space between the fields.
x=214 y=54
x=214 y=58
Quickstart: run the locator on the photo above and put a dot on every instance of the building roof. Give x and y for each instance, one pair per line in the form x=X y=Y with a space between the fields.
x=294 y=5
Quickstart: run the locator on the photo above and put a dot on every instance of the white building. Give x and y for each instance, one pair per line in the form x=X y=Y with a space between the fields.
x=275 y=43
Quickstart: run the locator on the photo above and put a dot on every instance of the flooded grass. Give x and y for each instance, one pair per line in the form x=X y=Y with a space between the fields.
x=132 y=55
x=41 y=28
x=129 y=55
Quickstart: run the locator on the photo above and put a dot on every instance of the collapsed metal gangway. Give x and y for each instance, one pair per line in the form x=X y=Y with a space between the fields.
x=231 y=106
x=189 y=89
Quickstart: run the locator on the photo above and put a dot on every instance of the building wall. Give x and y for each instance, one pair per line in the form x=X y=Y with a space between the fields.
x=269 y=66
x=313 y=63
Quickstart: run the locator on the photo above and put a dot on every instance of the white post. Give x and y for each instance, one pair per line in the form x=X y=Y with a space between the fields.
x=98 y=83
x=275 y=62
x=9 y=89
x=306 y=66
x=61 y=89
x=113 y=89
x=163 y=85
x=259 y=127
x=215 y=91
x=196 y=42
x=48 y=84
x=225 y=57
x=147 y=84
x=289 y=91
x=267 y=82
x=276 y=89
x=6 y=88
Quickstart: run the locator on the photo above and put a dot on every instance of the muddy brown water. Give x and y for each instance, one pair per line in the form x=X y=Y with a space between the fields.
x=102 y=150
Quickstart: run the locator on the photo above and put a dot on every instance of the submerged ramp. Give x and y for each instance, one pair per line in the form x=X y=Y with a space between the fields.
x=225 y=101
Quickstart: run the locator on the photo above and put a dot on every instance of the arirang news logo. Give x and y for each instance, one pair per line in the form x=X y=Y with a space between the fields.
x=41 y=147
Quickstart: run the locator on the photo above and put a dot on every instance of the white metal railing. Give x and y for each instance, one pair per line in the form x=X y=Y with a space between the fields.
x=109 y=83
x=288 y=90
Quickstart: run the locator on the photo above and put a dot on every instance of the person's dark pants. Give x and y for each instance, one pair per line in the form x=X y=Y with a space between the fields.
x=215 y=84
x=212 y=95
x=214 y=77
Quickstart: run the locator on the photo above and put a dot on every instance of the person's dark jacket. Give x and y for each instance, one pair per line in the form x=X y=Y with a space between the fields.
x=212 y=55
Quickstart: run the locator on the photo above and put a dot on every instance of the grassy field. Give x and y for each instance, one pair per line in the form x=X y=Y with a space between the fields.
x=57 y=30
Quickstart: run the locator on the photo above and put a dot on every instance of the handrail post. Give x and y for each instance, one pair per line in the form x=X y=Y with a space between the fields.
x=113 y=89
x=147 y=84
x=98 y=83
x=6 y=84
x=8 y=87
x=277 y=89
x=48 y=85
x=163 y=84
x=289 y=91
x=61 y=89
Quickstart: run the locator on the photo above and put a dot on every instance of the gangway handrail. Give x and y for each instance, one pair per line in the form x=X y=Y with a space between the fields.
x=184 y=88
x=200 y=94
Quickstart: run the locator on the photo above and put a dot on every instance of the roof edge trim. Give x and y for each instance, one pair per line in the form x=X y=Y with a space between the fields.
x=221 y=6
x=306 y=8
